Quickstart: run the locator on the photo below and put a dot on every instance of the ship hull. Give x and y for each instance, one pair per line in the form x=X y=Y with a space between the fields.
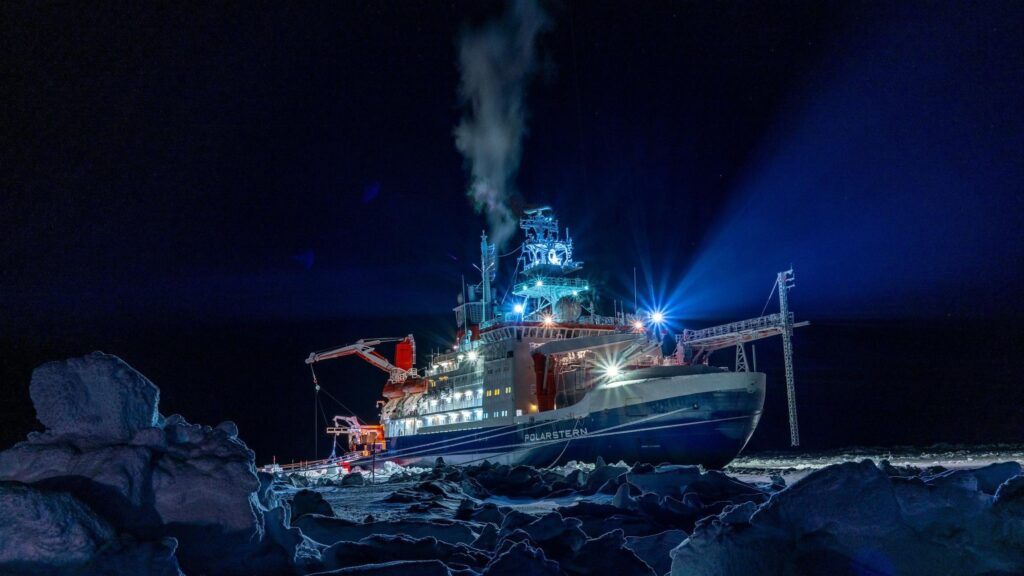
x=702 y=419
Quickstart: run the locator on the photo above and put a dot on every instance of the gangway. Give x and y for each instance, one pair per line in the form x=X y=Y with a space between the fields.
x=694 y=346
x=707 y=340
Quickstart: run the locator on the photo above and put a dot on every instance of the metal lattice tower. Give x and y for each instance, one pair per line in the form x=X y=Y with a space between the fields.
x=546 y=261
x=786 y=280
x=741 y=358
x=544 y=251
x=488 y=269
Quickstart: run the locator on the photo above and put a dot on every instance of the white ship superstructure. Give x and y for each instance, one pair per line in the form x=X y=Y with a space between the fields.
x=539 y=374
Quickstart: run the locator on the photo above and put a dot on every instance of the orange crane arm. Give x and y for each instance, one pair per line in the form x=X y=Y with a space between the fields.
x=365 y=349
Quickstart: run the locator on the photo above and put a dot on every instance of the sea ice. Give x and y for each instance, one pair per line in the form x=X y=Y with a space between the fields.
x=380 y=548
x=654 y=550
x=53 y=533
x=149 y=477
x=328 y=531
x=520 y=558
x=309 y=502
x=854 y=517
x=97 y=395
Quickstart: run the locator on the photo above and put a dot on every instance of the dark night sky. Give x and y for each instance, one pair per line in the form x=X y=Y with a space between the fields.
x=211 y=192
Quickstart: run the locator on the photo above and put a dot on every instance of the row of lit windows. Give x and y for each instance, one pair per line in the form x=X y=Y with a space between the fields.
x=458 y=396
x=453 y=417
x=497 y=391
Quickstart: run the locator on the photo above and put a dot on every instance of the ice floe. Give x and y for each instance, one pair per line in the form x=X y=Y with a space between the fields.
x=112 y=487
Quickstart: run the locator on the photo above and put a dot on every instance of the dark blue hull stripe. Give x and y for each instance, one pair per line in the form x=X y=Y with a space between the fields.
x=709 y=429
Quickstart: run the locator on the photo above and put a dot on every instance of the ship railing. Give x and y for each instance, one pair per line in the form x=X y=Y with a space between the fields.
x=552 y=282
x=646 y=361
x=591 y=320
x=602 y=320
x=751 y=325
x=443 y=363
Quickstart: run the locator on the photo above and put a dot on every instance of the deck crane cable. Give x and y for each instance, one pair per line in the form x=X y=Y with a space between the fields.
x=769 y=300
x=347 y=409
x=509 y=287
x=329 y=395
x=322 y=413
x=564 y=448
x=511 y=252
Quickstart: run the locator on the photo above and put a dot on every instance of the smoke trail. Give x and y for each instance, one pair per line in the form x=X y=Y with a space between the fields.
x=496 y=62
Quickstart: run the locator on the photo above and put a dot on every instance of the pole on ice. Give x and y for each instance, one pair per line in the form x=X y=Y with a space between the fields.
x=786 y=280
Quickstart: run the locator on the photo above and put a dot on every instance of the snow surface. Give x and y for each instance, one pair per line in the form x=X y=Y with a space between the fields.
x=130 y=492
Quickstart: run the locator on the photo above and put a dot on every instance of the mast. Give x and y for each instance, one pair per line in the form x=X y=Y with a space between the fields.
x=546 y=267
x=486 y=273
x=785 y=282
x=695 y=345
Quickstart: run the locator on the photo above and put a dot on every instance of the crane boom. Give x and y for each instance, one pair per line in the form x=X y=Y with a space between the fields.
x=364 y=348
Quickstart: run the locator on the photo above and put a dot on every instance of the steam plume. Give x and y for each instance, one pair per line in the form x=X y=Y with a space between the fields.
x=496 y=63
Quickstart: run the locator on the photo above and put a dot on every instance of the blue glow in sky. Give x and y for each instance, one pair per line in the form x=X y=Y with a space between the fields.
x=893 y=183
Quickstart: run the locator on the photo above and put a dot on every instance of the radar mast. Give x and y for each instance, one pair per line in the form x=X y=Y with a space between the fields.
x=546 y=288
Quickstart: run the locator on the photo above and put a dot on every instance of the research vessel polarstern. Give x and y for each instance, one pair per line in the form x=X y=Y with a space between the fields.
x=540 y=378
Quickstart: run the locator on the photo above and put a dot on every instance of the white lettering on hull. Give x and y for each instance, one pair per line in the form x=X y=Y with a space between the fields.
x=554 y=435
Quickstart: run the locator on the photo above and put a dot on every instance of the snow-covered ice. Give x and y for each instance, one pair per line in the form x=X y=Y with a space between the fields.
x=854 y=518
x=98 y=395
x=147 y=477
x=128 y=491
x=46 y=532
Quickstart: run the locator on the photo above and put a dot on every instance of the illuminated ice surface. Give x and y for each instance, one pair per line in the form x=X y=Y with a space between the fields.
x=940 y=510
x=153 y=495
x=755 y=468
x=792 y=465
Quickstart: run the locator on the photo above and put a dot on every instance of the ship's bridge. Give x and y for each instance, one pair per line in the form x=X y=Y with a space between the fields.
x=546 y=288
x=544 y=250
